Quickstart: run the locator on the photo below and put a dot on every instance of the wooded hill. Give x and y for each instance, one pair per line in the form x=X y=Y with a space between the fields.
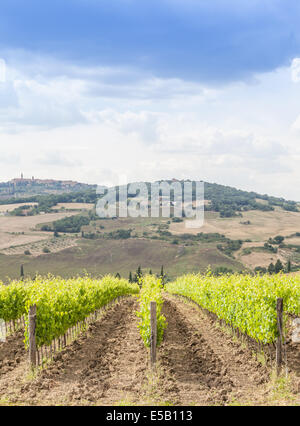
x=226 y=200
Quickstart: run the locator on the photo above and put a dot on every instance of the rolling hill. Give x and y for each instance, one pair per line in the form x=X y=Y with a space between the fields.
x=60 y=233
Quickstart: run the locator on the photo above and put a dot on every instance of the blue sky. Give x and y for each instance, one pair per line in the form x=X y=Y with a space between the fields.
x=92 y=89
x=204 y=40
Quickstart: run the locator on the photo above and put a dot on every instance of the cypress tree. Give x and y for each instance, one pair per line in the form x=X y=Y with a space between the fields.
x=22 y=272
x=271 y=268
x=139 y=272
x=138 y=276
x=162 y=275
x=278 y=266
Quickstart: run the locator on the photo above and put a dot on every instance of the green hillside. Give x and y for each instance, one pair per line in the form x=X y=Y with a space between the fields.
x=239 y=233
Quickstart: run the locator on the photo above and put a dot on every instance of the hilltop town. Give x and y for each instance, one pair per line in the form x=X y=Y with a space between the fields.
x=23 y=187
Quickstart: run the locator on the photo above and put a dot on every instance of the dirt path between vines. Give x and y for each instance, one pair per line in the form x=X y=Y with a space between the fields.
x=202 y=365
x=198 y=364
x=106 y=366
x=12 y=352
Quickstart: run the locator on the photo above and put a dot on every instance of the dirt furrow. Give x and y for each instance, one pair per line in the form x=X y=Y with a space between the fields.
x=104 y=366
x=12 y=352
x=200 y=364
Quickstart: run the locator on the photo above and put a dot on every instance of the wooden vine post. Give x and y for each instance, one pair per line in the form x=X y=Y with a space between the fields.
x=279 y=342
x=153 y=338
x=31 y=336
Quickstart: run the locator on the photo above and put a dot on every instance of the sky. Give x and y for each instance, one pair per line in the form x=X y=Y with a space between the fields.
x=105 y=90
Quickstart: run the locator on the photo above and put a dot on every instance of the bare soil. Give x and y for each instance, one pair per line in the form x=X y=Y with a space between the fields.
x=106 y=366
x=293 y=353
x=12 y=352
x=11 y=207
x=27 y=223
x=263 y=225
x=11 y=241
x=74 y=206
x=201 y=365
x=198 y=364
x=19 y=231
x=36 y=248
x=258 y=258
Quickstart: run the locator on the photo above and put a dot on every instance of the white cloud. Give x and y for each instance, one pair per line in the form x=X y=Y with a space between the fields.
x=57 y=159
x=295 y=70
x=9 y=159
x=2 y=70
x=94 y=124
x=182 y=133
x=45 y=93
x=295 y=128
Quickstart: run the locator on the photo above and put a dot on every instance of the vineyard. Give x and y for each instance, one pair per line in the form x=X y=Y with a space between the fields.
x=59 y=304
x=151 y=291
x=98 y=332
x=245 y=302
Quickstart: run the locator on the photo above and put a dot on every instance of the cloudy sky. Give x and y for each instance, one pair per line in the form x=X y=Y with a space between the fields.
x=99 y=90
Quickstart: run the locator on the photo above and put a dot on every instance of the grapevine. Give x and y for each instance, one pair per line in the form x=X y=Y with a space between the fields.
x=243 y=301
x=151 y=291
x=60 y=303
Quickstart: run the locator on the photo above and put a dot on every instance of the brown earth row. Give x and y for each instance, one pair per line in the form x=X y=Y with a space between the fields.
x=198 y=364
